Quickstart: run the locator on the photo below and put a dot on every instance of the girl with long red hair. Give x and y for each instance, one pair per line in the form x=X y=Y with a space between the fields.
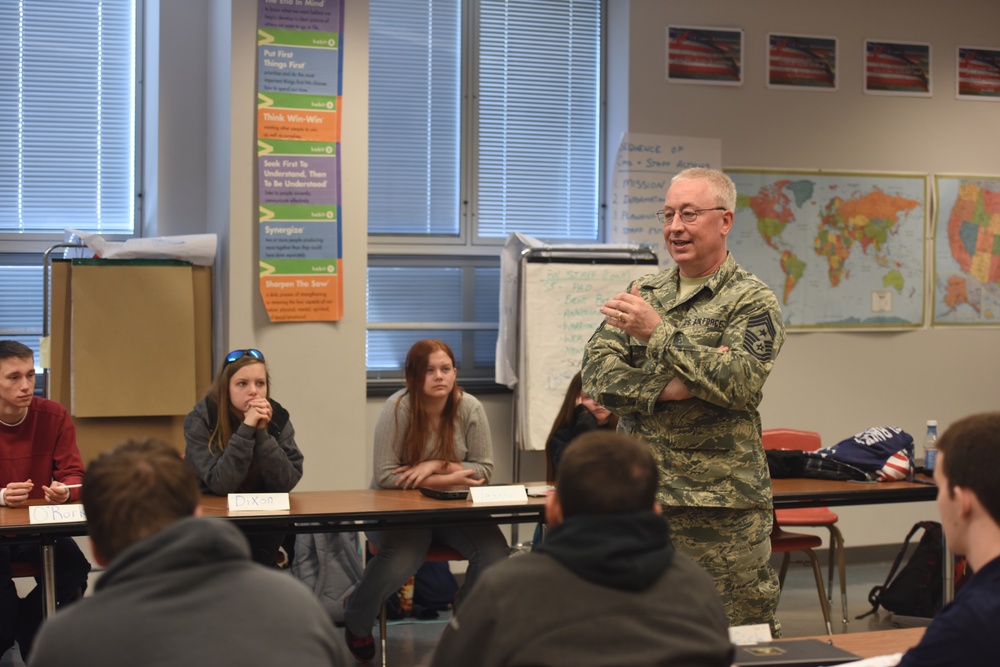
x=429 y=434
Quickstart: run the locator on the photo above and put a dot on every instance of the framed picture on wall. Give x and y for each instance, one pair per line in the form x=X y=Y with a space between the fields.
x=802 y=62
x=712 y=56
x=897 y=68
x=977 y=74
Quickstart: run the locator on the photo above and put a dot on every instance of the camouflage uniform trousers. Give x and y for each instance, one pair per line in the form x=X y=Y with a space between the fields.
x=734 y=547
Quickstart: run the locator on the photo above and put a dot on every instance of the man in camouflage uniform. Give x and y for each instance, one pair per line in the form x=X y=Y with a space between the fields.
x=681 y=358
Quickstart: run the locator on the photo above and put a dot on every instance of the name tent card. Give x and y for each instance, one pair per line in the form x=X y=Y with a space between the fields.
x=258 y=502
x=750 y=634
x=56 y=513
x=507 y=493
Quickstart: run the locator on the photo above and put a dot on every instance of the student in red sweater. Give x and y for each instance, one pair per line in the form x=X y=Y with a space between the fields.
x=38 y=460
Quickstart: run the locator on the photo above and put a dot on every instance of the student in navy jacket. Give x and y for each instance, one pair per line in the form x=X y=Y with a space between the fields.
x=965 y=631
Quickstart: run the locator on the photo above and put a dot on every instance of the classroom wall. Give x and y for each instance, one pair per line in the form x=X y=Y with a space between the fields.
x=317 y=369
x=835 y=383
x=206 y=183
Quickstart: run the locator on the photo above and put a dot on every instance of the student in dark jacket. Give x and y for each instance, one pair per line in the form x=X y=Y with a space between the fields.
x=605 y=588
x=240 y=440
x=579 y=414
x=177 y=589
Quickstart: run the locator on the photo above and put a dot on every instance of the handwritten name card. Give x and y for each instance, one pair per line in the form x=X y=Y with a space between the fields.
x=508 y=493
x=258 y=502
x=56 y=514
x=750 y=634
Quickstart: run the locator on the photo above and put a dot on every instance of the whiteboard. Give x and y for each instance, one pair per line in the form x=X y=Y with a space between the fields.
x=560 y=309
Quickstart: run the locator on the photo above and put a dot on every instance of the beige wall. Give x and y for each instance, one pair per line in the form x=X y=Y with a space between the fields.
x=835 y=383
x=317 y=369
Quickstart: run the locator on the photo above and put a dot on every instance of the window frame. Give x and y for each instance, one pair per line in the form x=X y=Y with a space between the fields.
x=466 y=249
x=29 y=248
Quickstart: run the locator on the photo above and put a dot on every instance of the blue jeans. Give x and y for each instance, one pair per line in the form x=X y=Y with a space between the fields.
x=400 y=555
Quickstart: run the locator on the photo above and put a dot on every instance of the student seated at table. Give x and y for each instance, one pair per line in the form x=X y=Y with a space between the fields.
x=39 y=459
x=605 y=587
x=431 y=434
x=965 y=631
x=240 y=440
x=177 y=589
x=578 y=414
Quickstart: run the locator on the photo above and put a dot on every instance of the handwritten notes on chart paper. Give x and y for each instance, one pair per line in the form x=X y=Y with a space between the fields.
x=644 y=165
x=560 y=310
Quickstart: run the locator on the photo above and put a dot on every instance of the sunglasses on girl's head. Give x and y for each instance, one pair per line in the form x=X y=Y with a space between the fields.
x=236 y=354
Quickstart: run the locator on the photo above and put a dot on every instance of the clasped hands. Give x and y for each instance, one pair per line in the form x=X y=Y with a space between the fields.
x=258 y=413
x=16 y=493
x=438 y=473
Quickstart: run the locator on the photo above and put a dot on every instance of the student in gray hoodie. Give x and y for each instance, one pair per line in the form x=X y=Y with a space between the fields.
x=178 y=589
x=605 y=587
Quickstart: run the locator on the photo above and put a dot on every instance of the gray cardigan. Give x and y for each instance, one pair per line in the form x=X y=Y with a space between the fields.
x=472 y=439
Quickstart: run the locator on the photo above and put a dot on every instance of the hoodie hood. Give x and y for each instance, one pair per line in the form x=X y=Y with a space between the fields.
x=624 y=551
x=187 y=544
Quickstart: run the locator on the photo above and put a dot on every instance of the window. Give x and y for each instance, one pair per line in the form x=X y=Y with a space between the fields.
x=484 y=120
x=68 y=72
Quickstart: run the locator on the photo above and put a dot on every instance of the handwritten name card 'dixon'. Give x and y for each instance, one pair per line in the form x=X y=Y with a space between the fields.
x=56 y=514
x=258 y=502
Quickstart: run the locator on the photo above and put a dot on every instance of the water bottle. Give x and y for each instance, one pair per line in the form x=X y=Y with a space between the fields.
x=930 y=447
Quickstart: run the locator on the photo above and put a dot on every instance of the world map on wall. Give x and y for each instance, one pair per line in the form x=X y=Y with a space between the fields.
x=967 y=251
x=838 y=249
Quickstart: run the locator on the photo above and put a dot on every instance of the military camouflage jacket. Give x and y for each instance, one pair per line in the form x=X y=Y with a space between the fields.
x=708 y=447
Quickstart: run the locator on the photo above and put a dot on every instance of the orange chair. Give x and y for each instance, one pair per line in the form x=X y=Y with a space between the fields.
x=785 y=543
x=436 y=553
x=20 y=569
x=807 y=441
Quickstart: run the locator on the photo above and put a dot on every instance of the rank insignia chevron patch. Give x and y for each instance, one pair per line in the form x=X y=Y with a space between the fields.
x=759 y=338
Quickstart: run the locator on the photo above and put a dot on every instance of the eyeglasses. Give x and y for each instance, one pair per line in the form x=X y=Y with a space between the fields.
x=687 y=215
x=236 y=354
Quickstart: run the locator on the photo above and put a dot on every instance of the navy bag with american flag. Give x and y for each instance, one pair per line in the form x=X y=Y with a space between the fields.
x=880 y=453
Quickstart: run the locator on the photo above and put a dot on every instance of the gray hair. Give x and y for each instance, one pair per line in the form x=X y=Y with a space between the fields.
x=723 y=188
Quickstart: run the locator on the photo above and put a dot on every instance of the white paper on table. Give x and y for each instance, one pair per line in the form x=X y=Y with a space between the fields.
x=198 y=249
x=890 y=660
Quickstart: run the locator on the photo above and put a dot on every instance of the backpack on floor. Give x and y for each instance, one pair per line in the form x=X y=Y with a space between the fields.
x=430 y=590
x=916 y=589
x=329 y=564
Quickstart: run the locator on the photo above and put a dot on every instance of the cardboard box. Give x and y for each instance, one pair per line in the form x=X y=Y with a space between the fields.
x=131 y=348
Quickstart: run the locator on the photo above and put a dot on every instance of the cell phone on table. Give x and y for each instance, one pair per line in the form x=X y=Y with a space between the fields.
x=447 y=493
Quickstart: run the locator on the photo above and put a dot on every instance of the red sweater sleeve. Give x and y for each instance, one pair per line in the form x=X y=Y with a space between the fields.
x=42 y=448
x=67 y=465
